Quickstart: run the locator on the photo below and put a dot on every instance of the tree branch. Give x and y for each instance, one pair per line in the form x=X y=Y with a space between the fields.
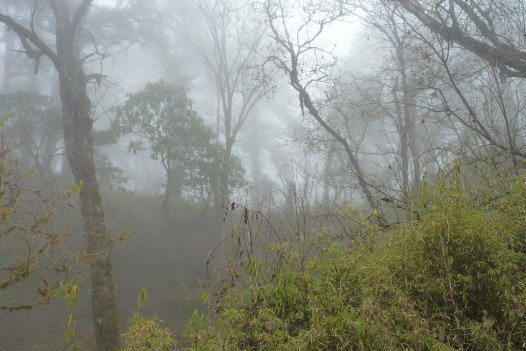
x=79 y=14
x=508 y=58
x=27 y=36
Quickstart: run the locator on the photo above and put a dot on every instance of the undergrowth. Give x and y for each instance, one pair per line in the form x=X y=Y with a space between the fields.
x=452 y=278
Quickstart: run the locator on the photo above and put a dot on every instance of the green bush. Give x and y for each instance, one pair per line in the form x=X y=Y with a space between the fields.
x=454 y=278
x=145 y=334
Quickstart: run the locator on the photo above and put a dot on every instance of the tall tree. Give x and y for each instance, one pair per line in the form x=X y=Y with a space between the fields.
x=234 y=40
x=397 y=89
x=68 y=57
x=308 y=66
x=162 y=114
x=36 y=130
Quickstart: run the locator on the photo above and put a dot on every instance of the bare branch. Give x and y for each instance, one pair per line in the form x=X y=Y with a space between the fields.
x=27 y=36
x=505 y=55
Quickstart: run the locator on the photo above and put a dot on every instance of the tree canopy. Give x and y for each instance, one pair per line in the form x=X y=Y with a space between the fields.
x=163 y=116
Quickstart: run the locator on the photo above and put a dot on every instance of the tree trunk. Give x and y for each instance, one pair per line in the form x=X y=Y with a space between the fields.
x=78 y=127
x=415 y=151
x=225 y=174
x=168 y=187
x=327 y=176
x=9 y=38
x=255 y=155
x=402 y=133
x=409 y=120
x=79 y=149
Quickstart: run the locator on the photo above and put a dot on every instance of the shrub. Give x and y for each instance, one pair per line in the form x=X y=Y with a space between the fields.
x=453 y=278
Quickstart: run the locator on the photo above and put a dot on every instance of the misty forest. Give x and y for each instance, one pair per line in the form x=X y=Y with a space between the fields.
x=262 y=175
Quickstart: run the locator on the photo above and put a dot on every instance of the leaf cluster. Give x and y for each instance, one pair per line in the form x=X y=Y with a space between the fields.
x=162 y=114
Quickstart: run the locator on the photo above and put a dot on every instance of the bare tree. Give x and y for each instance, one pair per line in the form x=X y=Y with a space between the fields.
x=68 y=57
x=395 y=88
x=307 y=66
x=476 y=95
x=437 y=88
x=234 y=39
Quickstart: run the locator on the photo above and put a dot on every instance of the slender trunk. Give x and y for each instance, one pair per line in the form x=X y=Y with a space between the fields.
x=404 y=143
x=414 y=144
x=255 y=151
x=170 y=219
x=404 y=154
x=50 y=148
x=353 y=160
x=8 y=60
x=416 y=155
x=409 y=108
x=327 y=175
x=225 y=174
x=167 y=192
x=408 y=125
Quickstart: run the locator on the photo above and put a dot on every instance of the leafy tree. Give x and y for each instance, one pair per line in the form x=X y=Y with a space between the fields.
x=35 y=136
x=34 y=132
x=162 y=114
x=109 y=176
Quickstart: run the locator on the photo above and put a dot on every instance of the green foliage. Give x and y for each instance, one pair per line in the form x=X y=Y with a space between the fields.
x=146 y=334
x=34 y=263
x=71 y=294
x=35 y=118
x=32 y=128
x=143 y=296
x=109 y=176
x=76 y=188
x=452 y=279
x=162 y=115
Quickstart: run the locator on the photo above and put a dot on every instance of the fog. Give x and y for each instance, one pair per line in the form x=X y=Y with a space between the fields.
x=155 y=147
